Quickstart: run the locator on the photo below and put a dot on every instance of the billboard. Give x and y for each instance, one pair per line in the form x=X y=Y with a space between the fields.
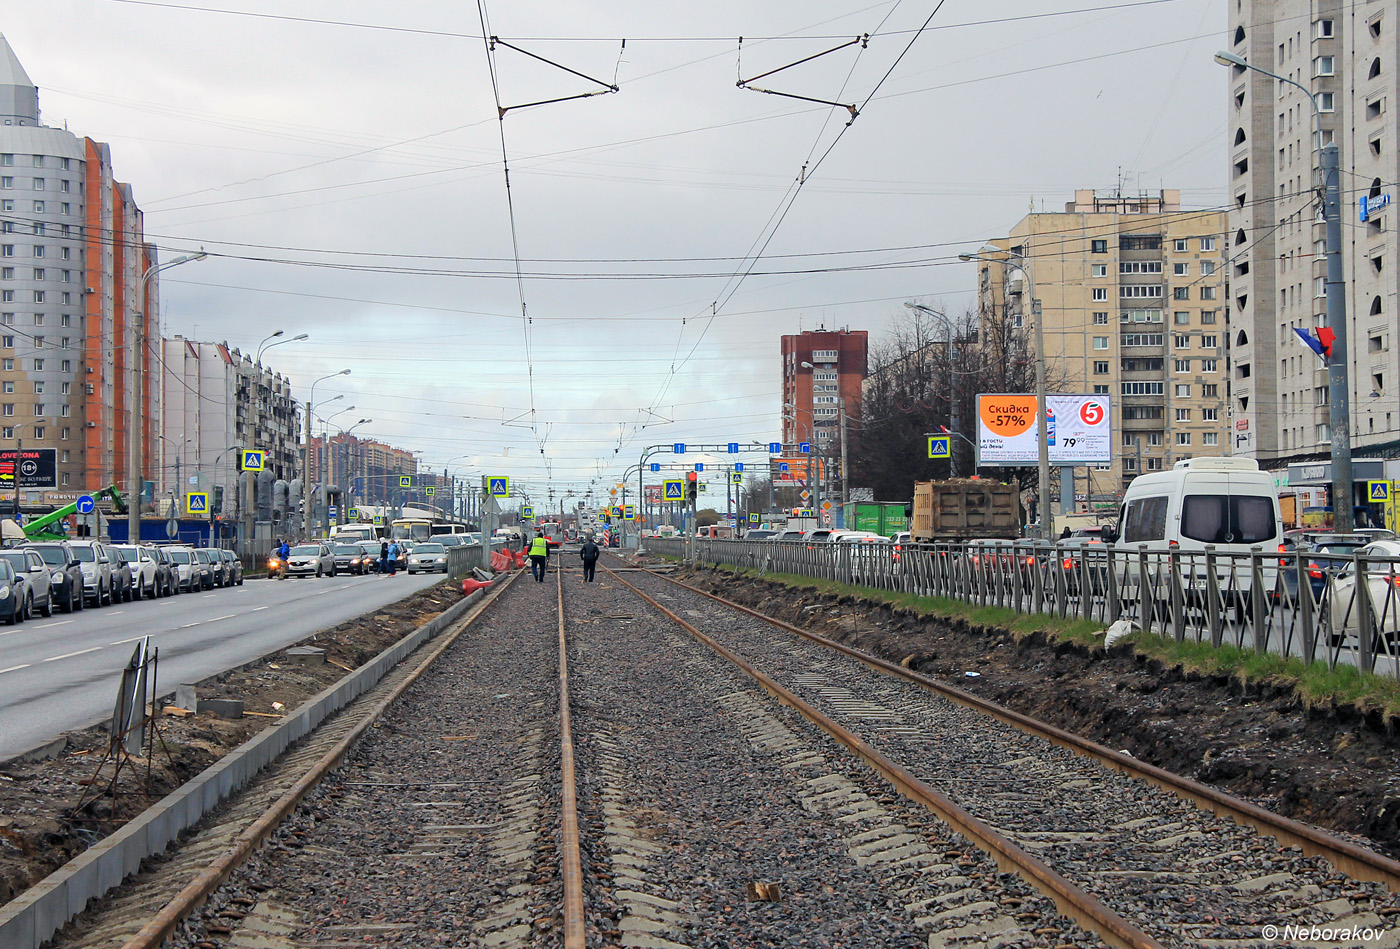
x=1080 y=431
x=38 y=468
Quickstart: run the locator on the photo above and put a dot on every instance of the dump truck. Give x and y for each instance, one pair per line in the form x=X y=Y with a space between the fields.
x=964 y=509
x=877 y=517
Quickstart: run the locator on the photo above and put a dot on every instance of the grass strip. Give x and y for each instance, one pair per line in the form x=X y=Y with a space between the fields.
x=1315 y=685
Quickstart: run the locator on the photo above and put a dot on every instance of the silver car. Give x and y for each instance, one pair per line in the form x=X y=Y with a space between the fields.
x=144 y=569
x=98 y=584
x=190 y=574
x=428 y=558
x=29 y=565
x=310 y=560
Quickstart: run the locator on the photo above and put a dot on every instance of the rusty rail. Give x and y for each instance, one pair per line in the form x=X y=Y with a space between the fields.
x=570 y=860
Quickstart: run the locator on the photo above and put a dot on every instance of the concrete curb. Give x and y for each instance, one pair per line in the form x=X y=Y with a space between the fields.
x=34 y=916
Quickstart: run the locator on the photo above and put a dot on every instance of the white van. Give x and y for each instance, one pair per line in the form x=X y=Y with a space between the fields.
x=1224 y=503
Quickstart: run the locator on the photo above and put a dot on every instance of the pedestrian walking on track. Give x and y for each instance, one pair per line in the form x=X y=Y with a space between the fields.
x=589 y=552
x=539 y=556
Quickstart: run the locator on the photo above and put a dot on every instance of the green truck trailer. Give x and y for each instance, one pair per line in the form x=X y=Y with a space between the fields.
x=878 y=517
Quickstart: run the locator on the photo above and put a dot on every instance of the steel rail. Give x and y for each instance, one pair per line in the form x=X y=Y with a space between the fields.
x=1069 y=899
x=163 y=924
x=1355 y=861
x=570 y=859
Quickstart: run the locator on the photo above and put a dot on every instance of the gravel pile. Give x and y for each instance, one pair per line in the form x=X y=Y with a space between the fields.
x=1183 y=875
x=701 y=796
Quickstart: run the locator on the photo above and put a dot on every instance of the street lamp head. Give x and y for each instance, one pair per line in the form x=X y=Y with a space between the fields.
x=277 y=334
x=964 y=258
x=807 y=365
x=301 y=337
x=343 y=372
x=1230 y=59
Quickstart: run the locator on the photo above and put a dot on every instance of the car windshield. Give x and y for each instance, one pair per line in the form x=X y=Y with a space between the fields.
x=85 y=554
x=130 y=553
x=430 y=549
x=306 y=550
x=346 y=549
x=15 y=559
x=115 y=555
x=53 y=556
x=180 y=556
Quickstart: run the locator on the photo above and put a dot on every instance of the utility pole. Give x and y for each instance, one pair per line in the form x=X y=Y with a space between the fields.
x=845 y=479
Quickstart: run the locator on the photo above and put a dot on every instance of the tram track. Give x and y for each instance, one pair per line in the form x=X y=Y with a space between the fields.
x=1118 y=835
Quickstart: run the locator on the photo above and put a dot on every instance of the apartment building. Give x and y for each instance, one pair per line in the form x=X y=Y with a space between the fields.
x=72 y=254
x=822 y=369
x=368 y=470
x=1345 y=55
x=1132 y=294
x=218 y=400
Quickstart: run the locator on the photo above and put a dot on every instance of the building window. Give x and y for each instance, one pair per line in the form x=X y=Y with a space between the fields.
x=1207 y=243
x=65 y=208
x=1100 y=294
x=38 y=184
x=1210 y=390
x=1210 y=365
x=38 y=388
x=1154 y=464
x=1098 y=270
x=1180 y=246
x=1140 y=266
x=1208 y=317
x=1101 y=319
x=6 y=181
x=1181 y=365
x=1325 y=103
x=1183 y=415
x=1183 y=392
x=66 y=254
x=8 y=409
x=66 y=365
x=7 y=250
x=1098 y=247
x=39 y=408
x=1100 y=390
x=1139 y=290
x=1208 y=293
x=1181 y=293
x=1322 y=30
x=1180 y=342
x=1210 y=415
x=1130 y=464
x=1100 y=367
x=1181 y=318
x=39 y=273
x=1324 y=66
x=1181 y=269
x=1210 y=342
x=1142 y=339
x=66 y=388
x=1207 y=268
x=65 y=410
x=8 y=365
x=1142 y=388
x=38 y=341
x=38 y=296
x=64 y=185
x=63 y=455
x=7 y=342
x=63 y=478
x=9 y=388
x=1210 y=438
x=1154 y=439
x=1129 y=439
x=1182 y=438
x=1100 y=342
x=38 y=365
x=38 y=207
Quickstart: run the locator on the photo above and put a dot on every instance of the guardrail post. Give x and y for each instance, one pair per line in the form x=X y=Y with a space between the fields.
x=1086 y=587
x=1061 y=587
x=1147 y=597
x=1259 y=604
x=1113 y=610
x=1175 y=596
x=1303 y=609
x=1365 y=619
x=1215 y=604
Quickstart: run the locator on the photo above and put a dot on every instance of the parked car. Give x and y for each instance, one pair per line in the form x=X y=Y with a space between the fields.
x=167 y=582
x=191 y=573
x=1383 y=587
x=310 y=560
x=235 y=567
x=429 y=558
x=144 y=569
x=98 y=585
x=66 y=575
x=349 y=558
x=14 y=594
x=121 y=575
x=218 y=572
x=1080 y=555
x=760 y=533
x=31 y=567
x=451 y=540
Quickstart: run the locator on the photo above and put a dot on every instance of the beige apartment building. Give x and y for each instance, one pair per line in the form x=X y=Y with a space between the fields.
x=1345 y=55
x=1132 y=291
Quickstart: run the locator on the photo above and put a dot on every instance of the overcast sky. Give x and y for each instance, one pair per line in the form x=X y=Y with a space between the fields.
x=346 y=178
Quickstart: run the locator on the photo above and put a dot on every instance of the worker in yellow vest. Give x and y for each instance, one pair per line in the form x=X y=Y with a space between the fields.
x=539 y=556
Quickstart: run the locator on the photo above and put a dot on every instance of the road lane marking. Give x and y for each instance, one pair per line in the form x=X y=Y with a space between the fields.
x=123 y=642
x=62 y=622
x=209 y=596
x=70 y=655
x=115 y=612
x=257 y=608
x=217 y=618
x=14 y=668
x=191 y=625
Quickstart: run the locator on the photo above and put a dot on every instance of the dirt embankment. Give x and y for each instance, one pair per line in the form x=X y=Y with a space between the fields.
x=1332 y=768
x=40 y=826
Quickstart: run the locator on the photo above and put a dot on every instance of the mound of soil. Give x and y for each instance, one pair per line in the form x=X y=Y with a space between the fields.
x=1334 y=768
x=40 y=825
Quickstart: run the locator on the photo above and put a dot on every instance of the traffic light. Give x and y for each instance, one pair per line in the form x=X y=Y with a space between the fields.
x=692 y=485
x=216 y=503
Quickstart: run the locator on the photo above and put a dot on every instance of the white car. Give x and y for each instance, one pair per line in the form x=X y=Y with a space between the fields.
x=98 y=585
x=143 y=570
x=428 y=558
x=310 y=560
x=1383 y=585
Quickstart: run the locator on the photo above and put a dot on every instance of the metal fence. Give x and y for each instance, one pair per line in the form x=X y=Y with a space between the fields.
x=1338 y=609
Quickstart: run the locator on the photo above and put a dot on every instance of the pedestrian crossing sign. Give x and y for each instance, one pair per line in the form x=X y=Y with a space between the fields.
x=379 y=520
x=405 y=481
x=736 y=477
x=938 y=446
x=499 y=487
x=197 y=502
x=1378 y=490
x=430 y=490
x=753 y=518
x=674 y=491
x=252 y=461
x=527 y=511
x=353 y=514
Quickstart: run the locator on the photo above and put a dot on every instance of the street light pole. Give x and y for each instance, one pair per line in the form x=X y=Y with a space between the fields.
x=306 y=449
x=952 y=380
x=1338 y=381
x=136 y=475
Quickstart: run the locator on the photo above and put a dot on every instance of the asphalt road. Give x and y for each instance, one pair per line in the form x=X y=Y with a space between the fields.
x=61 y=673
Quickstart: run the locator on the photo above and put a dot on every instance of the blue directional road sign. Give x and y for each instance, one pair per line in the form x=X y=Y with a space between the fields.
x=252 y=461
x=782 y=466
x=734 y=448
x=775 y=448
x=938 y=446
x=674 y=490
x=804 y=447
x=738 y=466
x=699 y=466
x=655 y=466
x=197 y=502
x=86 y=504
x=1378 y=490
x=678 y=448
x=499 y=487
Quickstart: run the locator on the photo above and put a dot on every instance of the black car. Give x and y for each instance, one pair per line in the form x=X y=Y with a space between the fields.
x=167 y=577
x=349 y=558
x=14 y=595
x=66 y=580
